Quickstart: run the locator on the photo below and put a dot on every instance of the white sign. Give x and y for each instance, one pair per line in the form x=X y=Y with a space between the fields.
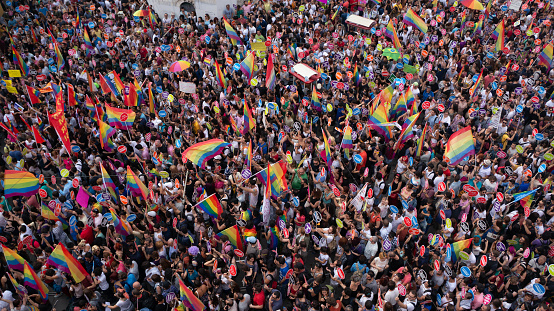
x=187 y=87
x=515 y=5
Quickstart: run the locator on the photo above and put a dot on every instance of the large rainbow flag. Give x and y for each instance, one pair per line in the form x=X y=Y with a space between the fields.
x=116 y=116
x=545 y=58
x=19 y=183
x=211 y=206
x=247 y=65
x=120 y=225
x=459 y=146
x=47 y=213
x=390 y=32
x=411 y=18
x=136 y=185
x=233 y=233
x=13 y=259
x=231 y=33
x=62 y=259
x=202 y=152
x=498 y=35
x=32 y=280
x=189 y=299
x=378 y=118
x=459 y=246
x=277 y=178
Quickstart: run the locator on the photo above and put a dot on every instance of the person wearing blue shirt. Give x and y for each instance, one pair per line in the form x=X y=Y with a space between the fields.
x=427 y=94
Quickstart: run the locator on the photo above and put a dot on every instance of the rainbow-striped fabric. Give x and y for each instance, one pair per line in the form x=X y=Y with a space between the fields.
x=459 y=146
x=19 y=183
x=211 y=206
x=62 y=259
x=411 y=18
x=202 y=152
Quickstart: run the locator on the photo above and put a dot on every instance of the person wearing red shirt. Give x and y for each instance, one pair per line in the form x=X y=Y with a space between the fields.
x=259 y=298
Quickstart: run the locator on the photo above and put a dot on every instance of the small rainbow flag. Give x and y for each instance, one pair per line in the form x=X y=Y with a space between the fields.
x=136 y=185
x=476 y=85
x=189 y=299
x=247 y=65
x=106 y=179
x=488 y=8
x=112 y=84
x=391 y=33
x=13 y=259
x=59 y=56
x=478 y=26
x=357 y=77
x=411 y=18
x=316 y=104
x=459 y=246
x=270 y=78
x=326 y=152
x=19 y=183
x=120 y=225
x=47 y=213
x=421 y=141
x=498 y=35
x=407 y=128
x=202 y=152
x=32 y=280
x=220 y=76
x=231 y=33
x=249 y=122
x=276 y=176
x=233 y=233
x=274 y=237
x=399 y=108
x=545 y=58
x=106 y=132
x=62 y=259
x=379 y=117
x=88 y=44
x=459 y=146
x=151 y=102
x=211 y=206
x=115 y=117
x=33 y=94
x=20 y=62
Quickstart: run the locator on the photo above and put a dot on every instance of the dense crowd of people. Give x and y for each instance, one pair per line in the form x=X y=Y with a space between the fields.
x=367 y=209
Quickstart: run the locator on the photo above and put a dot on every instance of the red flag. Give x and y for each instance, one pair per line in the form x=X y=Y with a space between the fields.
x=33 y=129
x=58 y=122
x=59 y=102
x=104 y=85
x=131 y=99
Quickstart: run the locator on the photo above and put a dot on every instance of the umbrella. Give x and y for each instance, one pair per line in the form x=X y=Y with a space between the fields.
x=391 y=53
x=473 y=4
x=179 y=65
x=141 y=13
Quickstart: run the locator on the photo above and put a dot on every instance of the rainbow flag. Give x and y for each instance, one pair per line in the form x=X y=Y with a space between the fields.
x=138 y=89
x=189 y=299
x=120 y=225
x=411 y=18
x=249 y=156
x=13 y=259
x=276 y=177
x=19 y=183
x=179 y=307
x=478 y=26
x=410 y=99
x=33 y=94
x=59 y=56
x=459 y=246
x=111 y=84
x=379 y=117
x=19 y=62
x=459 y=146
x=399 y=108
x=62 y=259
x=316 y=104
x=249 y=122
x=488 y=8
x=407 y=128
x=88 y=44
x=220 y=76
x=291 y=50
x=545 y=58
x=347 y=140
x=20 y=288
x=115 y=116
x=32 y=280
x=33 y=35
x=151 y=102
x=233 y=233
x=270 y=78
x=202 y=152
x=106 y=132
x=211 y=206
x=231 y=33
x=386 y=94
x=391 y=33
x=525 y=197
x=498 y=35
x=326 y=152
x=476 y=85
x=106 y=179
x=136 y=185
x=274 y=237
x=249 y=232
x=338 y=10
x=117 y=81
x=527 y=201
x=421 y=141
x=247 y=65
x=357 y=77
x=90 y=107
x=47 y=213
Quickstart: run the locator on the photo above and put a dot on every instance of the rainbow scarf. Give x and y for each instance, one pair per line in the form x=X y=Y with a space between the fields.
x=249 y=156
x=62 y=259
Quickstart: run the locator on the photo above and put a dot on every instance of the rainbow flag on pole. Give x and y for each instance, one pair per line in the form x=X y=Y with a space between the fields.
x=136 y=185
x=220 y=76
x=347 y=140
x=247 y=65
x=106 y=132
x=211 y=206
x=476 y=85
x=498 y=35
x=33 y=94
x=326 y=152
x=120 y=225
x=391 y=33
x=276 y=177
x=106 y=179
x=233 y=233
x=459 y=246
x=116 y=116
x=32 y=280
x=411 y=18
x=189 y=299
x=47 y=213
x=459 y=146
x=378 y=118
x=87 y=43
x=421 y=141
x=62 y=259
x=20 y=62
x=249 y=122
x=19 y=183
x=202 y=152
x=407 y=128
x=399 y=108
x=525 y=198
x=13 y=259
x=270 y=78
x=231 y=33
x=316 y=104
x=545 y=58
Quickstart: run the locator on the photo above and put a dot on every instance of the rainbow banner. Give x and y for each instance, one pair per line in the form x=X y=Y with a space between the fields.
x=233 y=233
x=62 y=259
x=211 y=206
x=459 y=246
x=545 y=58
x=231 y=33
x=247 y=66
x=13 y=259
x=202 y=152
x=47 y=213
x=106 y=179
x=135 y=184
x=189 y=299
x=277 y=178
x=411 y=18
x=459 y=146
x=18 y=183
x=32 y=280
x=249 y=122
x=116 y=117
